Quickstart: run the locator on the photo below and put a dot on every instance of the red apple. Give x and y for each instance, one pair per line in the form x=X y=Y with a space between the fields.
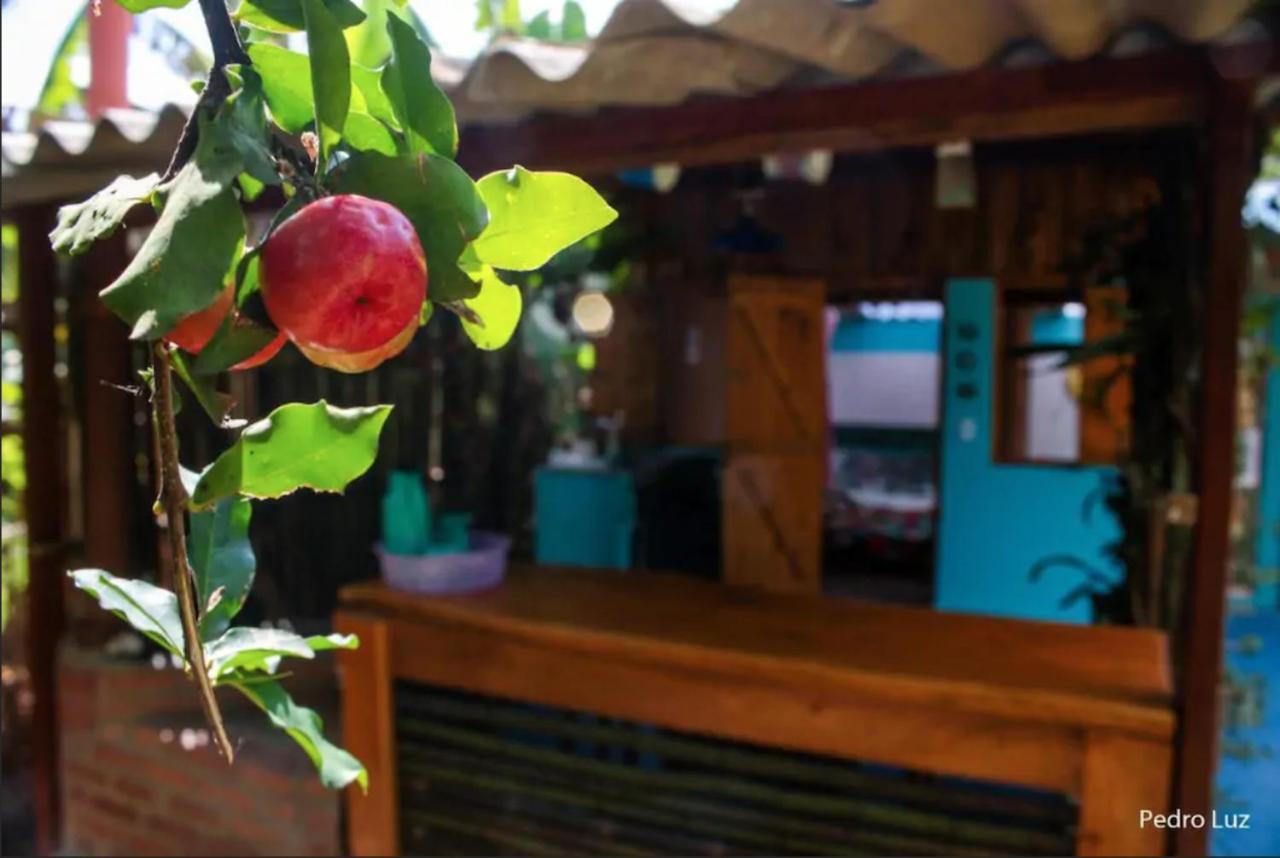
x=344 y=278
x=360 y=361
x=193 y=333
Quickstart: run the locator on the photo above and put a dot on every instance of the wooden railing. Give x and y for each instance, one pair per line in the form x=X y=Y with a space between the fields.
x=1084 y=711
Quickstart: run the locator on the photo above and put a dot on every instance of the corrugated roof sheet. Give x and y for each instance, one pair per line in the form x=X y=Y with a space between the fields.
x=660 y=52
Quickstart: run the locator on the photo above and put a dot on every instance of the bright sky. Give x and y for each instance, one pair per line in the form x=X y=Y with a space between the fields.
x=32 y=30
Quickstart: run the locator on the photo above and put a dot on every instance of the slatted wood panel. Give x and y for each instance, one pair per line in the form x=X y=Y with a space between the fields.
x=776 y=423
x=479 y=775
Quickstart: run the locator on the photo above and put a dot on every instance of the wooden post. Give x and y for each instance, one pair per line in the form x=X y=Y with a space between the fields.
x=41 y=440
x=1122 y=777
x=368 y=731
x=1230 y=163
x=108 y=480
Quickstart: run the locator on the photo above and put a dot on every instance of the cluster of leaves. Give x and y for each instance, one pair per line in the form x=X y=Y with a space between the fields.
x=388 y=133
x=503 y=17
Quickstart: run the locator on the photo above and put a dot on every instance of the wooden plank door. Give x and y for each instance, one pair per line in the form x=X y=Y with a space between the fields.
x=776 y=425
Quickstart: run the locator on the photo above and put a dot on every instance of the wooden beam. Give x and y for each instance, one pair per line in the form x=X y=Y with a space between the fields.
x=1090 y=96
x=1230 y=160
x=41 y=439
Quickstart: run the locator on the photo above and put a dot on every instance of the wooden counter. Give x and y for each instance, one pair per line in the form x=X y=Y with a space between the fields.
x=1082 y=710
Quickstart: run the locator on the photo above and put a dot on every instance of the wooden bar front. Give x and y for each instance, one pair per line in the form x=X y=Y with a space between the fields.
x=1086 y=711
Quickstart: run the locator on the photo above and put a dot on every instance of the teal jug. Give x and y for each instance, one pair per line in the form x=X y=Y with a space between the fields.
x=406 y=514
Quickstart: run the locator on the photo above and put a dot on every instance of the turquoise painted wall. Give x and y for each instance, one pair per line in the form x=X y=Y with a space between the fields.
x=997 y=520
x=887 y=335
x=1267 y=552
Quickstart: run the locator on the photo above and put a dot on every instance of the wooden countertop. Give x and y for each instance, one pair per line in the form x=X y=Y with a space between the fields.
x=1096 y=676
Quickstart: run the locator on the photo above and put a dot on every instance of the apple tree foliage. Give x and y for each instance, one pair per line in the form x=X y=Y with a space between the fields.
x=311 y=124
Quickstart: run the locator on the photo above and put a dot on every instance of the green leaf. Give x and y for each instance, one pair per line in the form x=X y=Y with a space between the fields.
x=573 y=23
x=539 y=27
x=437 y=197
x=181 y=265
x=368 y=42
x=497 y=306
x=144 y=5
x=245 y=117
x=330 y=75
x=151 y=610
x=424 y=112
x=238 y=338
x=250 y=649
x=81 y=224
x=250 y=188
x=286 y=77
x=286 y=16
x=222 y=559
x=316 y=446
x=319 y=643
x=366 y=134
x=368 y=83
x=532 y=216
x=216 y=404
x=337 y=768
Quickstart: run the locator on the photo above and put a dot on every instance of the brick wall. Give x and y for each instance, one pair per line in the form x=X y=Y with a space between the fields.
x=140 y=776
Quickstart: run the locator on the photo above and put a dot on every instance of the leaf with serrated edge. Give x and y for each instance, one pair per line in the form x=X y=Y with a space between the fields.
x=534 y=215
x=315 y=446
x=81 y=224
x=497 y=307
x=151 y=610
x=337 y=768
x=221 y=558
x=424 y=112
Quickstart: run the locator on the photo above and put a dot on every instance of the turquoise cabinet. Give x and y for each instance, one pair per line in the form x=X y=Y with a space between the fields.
x=584 y=517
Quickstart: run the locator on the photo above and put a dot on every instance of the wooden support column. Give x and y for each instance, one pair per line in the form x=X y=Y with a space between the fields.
x=109 y=481
x=1123 y=775
x=1230 y=162
x=368 y=731
x=42 y=444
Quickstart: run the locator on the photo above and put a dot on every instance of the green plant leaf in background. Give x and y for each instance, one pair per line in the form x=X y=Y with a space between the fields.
x=532 y=216
x=368 y=42
x=337 y=768
x=424 y=112
x=573 y=23
x=539 y=27
x=498 y=307
x=315 y=446
x=287 y=85
x=59 y=90
x=181 y=265
x=330 y=75
x=437 y=197
x=286 y=16
x=151 y=610
x=222 y=559
x=81 y=224
x=143 y=5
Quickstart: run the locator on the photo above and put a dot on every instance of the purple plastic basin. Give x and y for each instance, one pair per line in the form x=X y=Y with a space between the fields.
x=463 y=572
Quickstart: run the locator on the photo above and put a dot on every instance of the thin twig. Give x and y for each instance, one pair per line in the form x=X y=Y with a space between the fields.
x=173 y=498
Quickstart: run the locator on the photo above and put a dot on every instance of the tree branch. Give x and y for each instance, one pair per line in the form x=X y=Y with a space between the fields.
x=173 y=498
x=227 y=50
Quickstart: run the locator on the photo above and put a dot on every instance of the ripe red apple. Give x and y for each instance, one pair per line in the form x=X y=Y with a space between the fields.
x=360 y=361
x=345 y=279
x=193 y=333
